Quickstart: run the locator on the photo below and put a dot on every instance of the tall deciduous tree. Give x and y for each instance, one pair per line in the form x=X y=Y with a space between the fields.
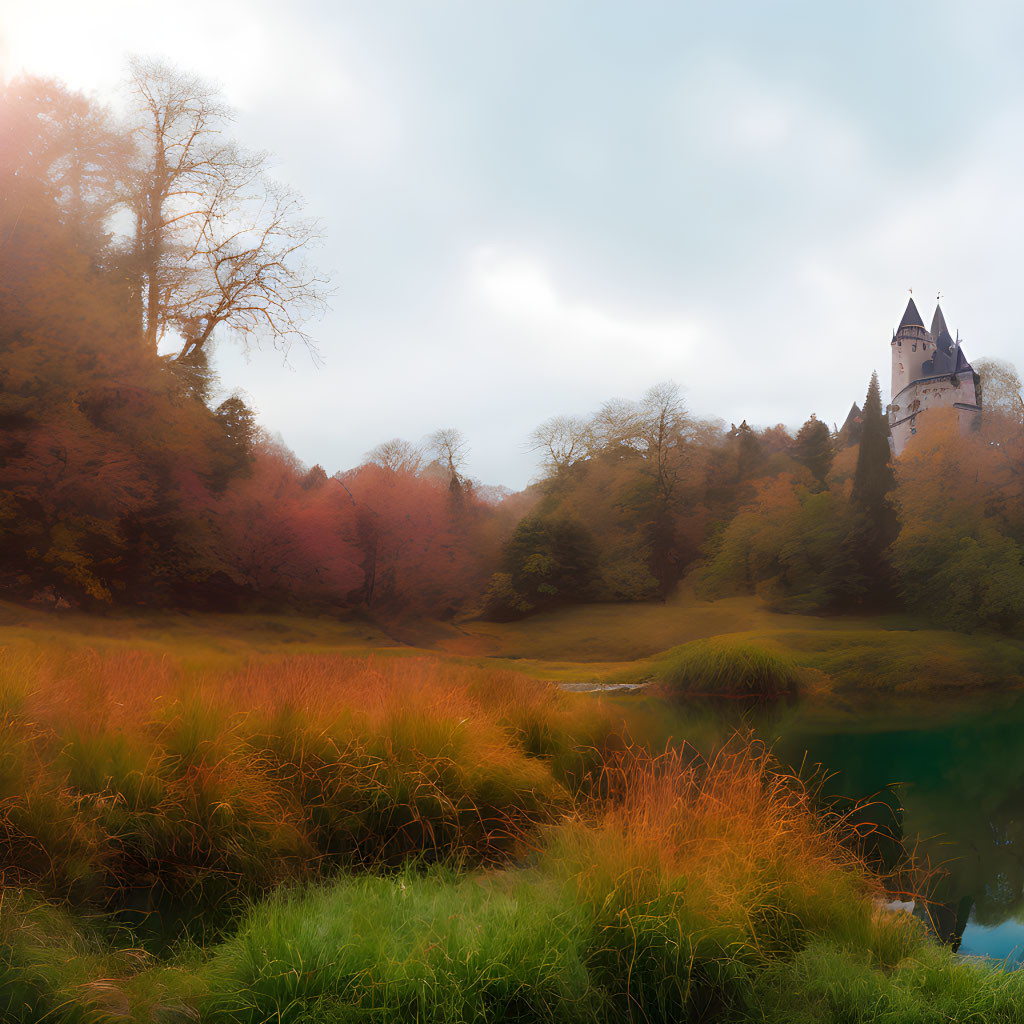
x=562 y=441
x=1000 y=388
x=396 y=455
x=69 y=147
x=218 y=244
x=449 y=449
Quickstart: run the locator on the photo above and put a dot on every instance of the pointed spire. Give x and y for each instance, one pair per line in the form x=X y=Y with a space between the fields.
x=962 y=365
x=911 y=318
x=938 y=322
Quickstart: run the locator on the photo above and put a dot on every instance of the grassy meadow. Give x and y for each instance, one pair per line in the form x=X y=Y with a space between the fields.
x=261 y=818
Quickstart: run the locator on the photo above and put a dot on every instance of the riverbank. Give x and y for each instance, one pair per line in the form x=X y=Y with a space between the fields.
x=583 y=647
x=690 y=891
x=266 y=818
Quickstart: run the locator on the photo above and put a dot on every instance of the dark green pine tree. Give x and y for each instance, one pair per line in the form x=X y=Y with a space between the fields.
x=749 y=455
x=872 y=481
x=813 y=449
x=874 y=478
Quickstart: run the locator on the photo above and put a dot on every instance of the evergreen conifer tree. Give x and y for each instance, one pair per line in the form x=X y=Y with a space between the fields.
x=873 y=480
x=874 y=477
x=813 y=449
x=749 y=453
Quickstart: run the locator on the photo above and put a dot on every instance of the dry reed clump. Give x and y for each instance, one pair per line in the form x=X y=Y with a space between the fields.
x=125 y=773
x=700 y=873
x=574 y=733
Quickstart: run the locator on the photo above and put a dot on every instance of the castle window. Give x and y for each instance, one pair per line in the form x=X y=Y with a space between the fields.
x=914 y=347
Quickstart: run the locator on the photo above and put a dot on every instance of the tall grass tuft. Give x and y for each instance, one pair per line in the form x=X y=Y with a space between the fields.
x=409 y=947
x=700 y=873
x=127 y=779
x=725 y=667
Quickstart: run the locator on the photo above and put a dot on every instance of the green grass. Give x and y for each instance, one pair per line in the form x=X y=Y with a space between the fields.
x=723 y=666
x=831 y=983
x=906 y=661
x=62 y=969
x=845 y=659
x=437 y=948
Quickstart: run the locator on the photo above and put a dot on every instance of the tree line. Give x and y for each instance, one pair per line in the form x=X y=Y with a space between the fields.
x=130 y=475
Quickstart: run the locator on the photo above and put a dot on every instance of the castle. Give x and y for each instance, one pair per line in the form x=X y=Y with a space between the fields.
x=929 y=370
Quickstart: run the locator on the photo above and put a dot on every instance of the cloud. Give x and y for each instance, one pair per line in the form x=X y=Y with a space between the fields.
x=520 y=295
x=273 y=60
x=732 y=113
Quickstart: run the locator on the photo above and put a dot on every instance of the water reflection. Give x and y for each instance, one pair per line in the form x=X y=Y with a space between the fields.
x=947 y=779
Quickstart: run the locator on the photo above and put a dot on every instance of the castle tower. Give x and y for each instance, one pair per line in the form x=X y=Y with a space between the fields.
x=929 y=370
x=908 y=349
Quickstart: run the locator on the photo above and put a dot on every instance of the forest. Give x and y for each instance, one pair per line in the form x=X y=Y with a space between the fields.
x=131 y=476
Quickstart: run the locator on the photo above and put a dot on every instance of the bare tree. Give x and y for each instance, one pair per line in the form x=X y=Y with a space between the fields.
x=617 y=426
x=217 y=243
x=563 y=440
x=663 y=426
x=656 y=428
x=397 y=455
x=449 y=449
x=1000 y=388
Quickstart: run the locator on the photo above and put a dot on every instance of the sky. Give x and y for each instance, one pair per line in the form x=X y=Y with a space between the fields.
x=534 y=206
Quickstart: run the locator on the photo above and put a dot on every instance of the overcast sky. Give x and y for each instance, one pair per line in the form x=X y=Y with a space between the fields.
x=533 y=206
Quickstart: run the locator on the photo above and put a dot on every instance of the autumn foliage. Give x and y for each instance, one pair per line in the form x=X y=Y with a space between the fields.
x=132 y=477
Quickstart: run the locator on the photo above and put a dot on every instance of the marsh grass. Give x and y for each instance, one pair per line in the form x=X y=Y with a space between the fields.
x=683 y=889
x=440 y=842
x=722 y=666
x=127 y=777
x=905 y=661
x=409 y=947
x=666 y=898
x=837 y=983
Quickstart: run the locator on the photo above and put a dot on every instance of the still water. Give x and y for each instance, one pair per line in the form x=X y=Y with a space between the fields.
x=944 y=778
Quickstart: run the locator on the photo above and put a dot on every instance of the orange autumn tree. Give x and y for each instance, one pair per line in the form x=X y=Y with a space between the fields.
x=424 y=543
x=958 y=553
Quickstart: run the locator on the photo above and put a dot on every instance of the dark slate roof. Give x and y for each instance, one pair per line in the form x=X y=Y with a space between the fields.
x=911 y=318
x=850 y=431
x=962 y=366
x=940 y=362
x=939 y=323
x=943 y=342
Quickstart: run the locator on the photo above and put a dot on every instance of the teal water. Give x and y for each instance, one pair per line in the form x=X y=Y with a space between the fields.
x=945 y=780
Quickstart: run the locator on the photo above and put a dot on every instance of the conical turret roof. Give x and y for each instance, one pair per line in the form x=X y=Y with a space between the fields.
x=962 y=365
x=938 y=323
x=911 y=318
